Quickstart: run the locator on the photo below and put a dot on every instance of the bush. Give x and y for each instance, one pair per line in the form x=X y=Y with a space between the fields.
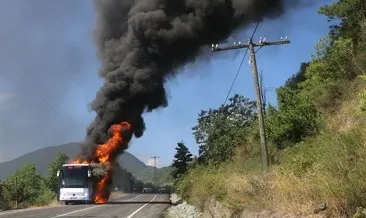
x=360 y=213
x=328 y=97
x=45 y=197
x=295 y=119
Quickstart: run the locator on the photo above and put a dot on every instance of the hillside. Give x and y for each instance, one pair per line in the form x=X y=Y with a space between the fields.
x=43 y=156
x=315 y=135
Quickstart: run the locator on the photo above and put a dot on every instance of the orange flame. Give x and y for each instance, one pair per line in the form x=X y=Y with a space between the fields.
x=78 y=161
x=104 y=153
x=100 y=195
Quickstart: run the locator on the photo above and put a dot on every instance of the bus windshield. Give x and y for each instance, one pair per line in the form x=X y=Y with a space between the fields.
x=74 y=177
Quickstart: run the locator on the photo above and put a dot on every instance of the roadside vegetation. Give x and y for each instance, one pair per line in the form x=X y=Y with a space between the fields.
x=316 y=134
x=27 y=187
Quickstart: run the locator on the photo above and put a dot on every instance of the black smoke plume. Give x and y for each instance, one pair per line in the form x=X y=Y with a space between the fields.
x=142 y=43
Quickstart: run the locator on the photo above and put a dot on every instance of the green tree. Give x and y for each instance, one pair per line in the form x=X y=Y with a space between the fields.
x=350 y=13
x=330 y=63
x=25 y=185
x=295 y=117
x=220 y=131
x=337 y=55
x=53 y=167
x=181 y=161
x=3 y=203
x=294 y=81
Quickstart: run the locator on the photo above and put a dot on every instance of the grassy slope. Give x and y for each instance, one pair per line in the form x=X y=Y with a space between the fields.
x=327 y=169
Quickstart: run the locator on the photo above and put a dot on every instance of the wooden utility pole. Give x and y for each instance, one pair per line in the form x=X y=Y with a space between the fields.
x=251 y=45
x=155 y=176
x=263 y=92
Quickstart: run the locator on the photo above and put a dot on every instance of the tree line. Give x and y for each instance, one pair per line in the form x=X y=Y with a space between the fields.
x=27 y=186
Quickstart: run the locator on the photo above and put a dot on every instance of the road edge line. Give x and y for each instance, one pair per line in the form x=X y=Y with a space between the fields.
x=136 y=211
x=76 y=211
x=24 y=210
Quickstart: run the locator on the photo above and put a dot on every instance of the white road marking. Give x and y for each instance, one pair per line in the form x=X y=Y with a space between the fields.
x=40 y=208
x=132 y=214
x=134 y=197
x=116 y=200
x=88 y=208
x=24 y=210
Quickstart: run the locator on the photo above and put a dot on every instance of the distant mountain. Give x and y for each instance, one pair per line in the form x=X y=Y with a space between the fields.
x=43 y=156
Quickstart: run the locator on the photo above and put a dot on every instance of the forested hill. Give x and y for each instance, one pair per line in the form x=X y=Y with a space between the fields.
x=43 y=156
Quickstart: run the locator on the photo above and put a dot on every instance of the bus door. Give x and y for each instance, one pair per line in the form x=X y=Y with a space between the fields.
x=59 y=183
x=90 y=185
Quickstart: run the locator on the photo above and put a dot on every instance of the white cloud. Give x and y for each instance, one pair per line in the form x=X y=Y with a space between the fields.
x=150 y=162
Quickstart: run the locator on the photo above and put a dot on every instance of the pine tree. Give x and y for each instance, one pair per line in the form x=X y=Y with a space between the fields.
x=181 y=161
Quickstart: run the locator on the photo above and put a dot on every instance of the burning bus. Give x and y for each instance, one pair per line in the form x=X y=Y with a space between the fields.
x=76 y=184
x=88 y=180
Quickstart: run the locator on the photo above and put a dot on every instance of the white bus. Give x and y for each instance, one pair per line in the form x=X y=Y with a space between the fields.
x=76 y=184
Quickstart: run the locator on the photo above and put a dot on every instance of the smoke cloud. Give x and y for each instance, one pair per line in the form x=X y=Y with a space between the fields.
x=142 y=44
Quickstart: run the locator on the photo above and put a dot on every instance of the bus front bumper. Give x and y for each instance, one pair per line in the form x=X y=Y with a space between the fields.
x=74 y=195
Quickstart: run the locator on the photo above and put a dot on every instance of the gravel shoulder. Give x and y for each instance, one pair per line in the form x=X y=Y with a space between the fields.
x=181 y=209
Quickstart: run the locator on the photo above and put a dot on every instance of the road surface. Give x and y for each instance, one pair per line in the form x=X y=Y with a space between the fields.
x=132 y=205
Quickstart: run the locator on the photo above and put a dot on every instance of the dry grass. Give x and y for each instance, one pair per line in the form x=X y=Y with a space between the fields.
x=52 y=203
x=348 y=114
x=328 y=168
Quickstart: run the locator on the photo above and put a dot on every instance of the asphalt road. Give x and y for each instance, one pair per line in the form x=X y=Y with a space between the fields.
x=128 y=206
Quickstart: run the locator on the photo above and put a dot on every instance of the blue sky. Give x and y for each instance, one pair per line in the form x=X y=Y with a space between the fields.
x=48 y=75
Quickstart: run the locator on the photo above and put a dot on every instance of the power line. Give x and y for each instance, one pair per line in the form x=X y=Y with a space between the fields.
x=258 y=49
x=259 y=21
x=246 y=52
x=255 y=29
x=236 y=76
x=259 y=95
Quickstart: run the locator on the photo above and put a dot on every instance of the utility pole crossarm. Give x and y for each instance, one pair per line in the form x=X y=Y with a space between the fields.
x=257 y=85
x=217 y=48
x=281 y=42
